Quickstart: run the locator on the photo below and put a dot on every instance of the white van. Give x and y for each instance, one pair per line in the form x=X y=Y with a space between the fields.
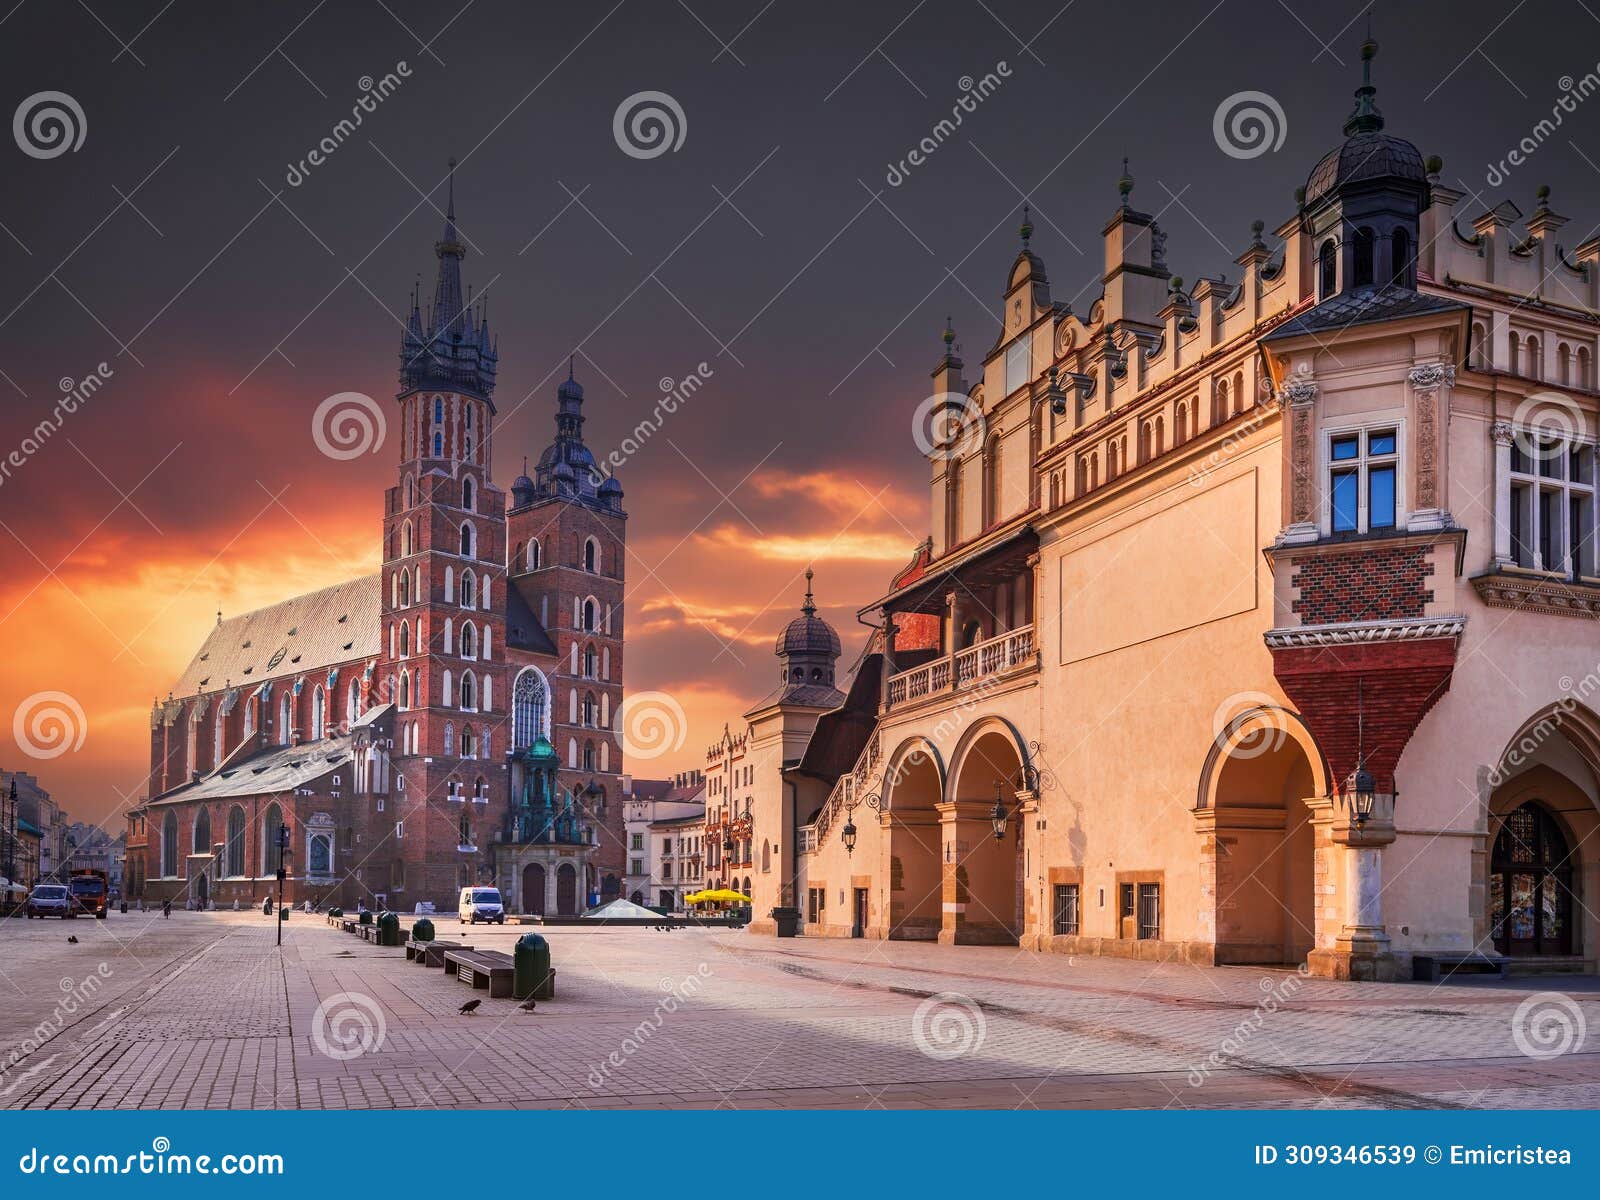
x=481 y=904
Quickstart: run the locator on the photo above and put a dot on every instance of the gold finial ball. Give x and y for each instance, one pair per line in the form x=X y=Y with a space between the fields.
x=1369 y=49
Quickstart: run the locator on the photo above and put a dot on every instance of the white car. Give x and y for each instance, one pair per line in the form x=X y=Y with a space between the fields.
x=50 y=900
x=481 y=904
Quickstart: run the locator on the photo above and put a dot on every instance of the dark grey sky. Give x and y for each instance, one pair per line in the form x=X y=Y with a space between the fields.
x=816 y=292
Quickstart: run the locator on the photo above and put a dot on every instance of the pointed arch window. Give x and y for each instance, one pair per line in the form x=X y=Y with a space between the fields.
x=271 y=822
x=466 y=491
x=469 y=746
x=469 y=641
x=467 y=540
x=589 y=615
x=169 y=845
x=530 y=709
x=1327 y=270
x=469 y=692
x=285 y=718
x=469 y=589
x=233 y=856
x=591 y=556
x=533 y=554
x=319 y=713
x=202 y=831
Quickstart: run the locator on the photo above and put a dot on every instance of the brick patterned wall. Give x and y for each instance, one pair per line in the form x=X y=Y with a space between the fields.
x=1363 y=585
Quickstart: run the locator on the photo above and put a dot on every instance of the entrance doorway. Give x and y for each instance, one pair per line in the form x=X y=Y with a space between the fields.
x=1530 y=885
x=859 y=908
x=533 y=889
x=566 y=890
x=202 y=890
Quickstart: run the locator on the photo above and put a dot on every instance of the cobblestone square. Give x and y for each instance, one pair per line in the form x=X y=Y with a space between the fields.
x=204 y=1011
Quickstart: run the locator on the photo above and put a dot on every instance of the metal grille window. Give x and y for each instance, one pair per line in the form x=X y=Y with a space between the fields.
x=1150 y=911
x=1066 y=908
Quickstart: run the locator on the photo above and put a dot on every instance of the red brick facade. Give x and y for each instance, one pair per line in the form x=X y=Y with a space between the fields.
x=1379 y=584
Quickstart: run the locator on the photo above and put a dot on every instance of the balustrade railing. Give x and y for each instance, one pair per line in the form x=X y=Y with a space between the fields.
x=997 y=656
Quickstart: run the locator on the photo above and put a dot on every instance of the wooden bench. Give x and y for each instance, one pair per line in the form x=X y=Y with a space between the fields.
x=1430 y=968
x=348 y=924
x=481 y=969
x=431 y=954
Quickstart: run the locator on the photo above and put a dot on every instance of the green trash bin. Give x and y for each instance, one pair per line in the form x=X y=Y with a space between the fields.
x=336 y=911
x=366 y=917
x=422 y=931
x=530 y=969
x=388 y=929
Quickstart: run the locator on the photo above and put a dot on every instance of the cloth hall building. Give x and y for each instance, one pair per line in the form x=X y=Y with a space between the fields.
x=1257 y=623
x=447 y=721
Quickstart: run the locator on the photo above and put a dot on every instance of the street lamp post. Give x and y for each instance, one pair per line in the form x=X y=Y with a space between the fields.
x=283 y=853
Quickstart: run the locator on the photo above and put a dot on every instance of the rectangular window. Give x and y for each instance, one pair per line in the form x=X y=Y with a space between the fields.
x=1149 y=911
x=1363 y=481
x=636 y=866
x=638 y=842
x=1125 y=910
x=1552 y=497
x=1066 y=908
x=1019 y=364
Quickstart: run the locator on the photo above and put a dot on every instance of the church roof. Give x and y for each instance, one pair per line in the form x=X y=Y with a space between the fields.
x=524 y=630
x=278 y=770
x=317 y=630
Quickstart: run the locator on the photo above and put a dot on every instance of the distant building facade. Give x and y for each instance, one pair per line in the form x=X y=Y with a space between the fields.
x=665 y=829
x=446 y=722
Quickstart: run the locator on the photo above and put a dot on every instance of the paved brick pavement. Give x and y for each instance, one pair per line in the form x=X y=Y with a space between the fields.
x=204 y=1011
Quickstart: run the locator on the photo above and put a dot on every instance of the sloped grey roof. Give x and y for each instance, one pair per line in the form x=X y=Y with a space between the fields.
x=280 y=769
x=1361 y=308
x=337 y=624
x=523 y=629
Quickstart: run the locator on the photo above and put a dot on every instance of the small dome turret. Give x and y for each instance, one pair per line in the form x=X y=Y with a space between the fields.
x=808 y=649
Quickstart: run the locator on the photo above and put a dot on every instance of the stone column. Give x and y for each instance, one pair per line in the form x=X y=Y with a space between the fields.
x=1502 y=434
x=1361 y=950
x=889 y=632
x=952 y=604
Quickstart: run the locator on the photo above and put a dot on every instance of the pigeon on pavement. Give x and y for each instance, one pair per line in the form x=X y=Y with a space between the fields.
x=470 y=1007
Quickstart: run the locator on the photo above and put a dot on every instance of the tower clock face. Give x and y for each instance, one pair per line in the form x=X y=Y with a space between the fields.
x=277 y=657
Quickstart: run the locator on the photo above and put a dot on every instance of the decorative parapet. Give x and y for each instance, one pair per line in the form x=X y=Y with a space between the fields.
x=1409 y=629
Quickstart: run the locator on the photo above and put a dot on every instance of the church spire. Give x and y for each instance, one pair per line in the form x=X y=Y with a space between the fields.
x=1365 y=118
x=449 y=347
x=810 y=606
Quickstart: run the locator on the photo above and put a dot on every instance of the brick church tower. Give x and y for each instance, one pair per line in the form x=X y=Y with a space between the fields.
x=568 y=536
x=443 y=626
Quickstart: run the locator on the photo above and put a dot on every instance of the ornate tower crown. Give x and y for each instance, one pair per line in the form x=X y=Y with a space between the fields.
x=449 y=347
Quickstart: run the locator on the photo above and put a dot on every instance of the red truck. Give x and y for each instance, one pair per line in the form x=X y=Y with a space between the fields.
x=91 y=891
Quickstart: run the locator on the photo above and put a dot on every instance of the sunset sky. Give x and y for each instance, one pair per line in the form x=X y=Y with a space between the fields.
x=228 y=301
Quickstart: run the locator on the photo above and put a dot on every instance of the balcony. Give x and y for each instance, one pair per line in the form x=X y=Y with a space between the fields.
x=976 y=665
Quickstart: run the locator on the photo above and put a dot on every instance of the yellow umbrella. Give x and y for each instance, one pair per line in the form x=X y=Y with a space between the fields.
x=717 y=896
